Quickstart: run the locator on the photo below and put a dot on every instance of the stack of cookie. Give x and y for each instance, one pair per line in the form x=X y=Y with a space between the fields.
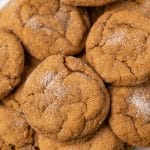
x=75 y=75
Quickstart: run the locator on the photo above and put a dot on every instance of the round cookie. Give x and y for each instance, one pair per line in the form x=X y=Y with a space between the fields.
x=47 y=27
x=88 y=2
x=130 y=114
x=14 y=129
x=11 y=62
x=104 y=139
x=122 y=37
x=64 y=99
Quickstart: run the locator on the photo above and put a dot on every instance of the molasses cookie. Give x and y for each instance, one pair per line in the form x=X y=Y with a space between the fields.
x=118 y=47
x=11 y=62
x=88 y=2
x=104 y=139
x=130 y=114
x=63 y=98
x=14 y=129
x=14 y=100
x=47 y=27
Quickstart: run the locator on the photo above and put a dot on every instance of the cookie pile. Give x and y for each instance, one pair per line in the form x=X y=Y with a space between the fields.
x=75 y=75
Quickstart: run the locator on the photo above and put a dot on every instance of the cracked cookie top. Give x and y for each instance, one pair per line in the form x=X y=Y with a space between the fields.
x=47 y=27
x=104 y=139
x=130 y=114
x=63 y=98
x=11 y=62
x=118 y=47
x=14 y=130
x=88 y=2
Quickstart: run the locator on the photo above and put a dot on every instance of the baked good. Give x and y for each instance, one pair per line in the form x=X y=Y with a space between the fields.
x=13 y=100
x=47 y=27
x=11 y=62
x=63 y=98
x=104 y=139
x=14 y=130
x=130 y=114
x=118 y=47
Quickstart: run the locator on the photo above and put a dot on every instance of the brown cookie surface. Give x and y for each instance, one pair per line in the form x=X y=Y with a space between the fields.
x=64 y=98
x=11 y=62
x=47 y=27
x=104 y=139
x=118 y=47
x=88 y=2
x=14 y=129
x=130 y=114
x=13 y=100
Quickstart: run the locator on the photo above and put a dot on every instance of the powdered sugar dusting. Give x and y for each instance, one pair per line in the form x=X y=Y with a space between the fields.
x=141 y=101
x=47 y=78
x=57 y=88
x=33 y=23
x=117 y=37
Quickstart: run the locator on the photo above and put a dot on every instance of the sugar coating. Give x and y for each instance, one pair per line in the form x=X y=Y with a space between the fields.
x=139 y=100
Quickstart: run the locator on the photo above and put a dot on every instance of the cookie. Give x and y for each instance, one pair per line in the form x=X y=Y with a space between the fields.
x=88 y=2
x=63 y=98
x=118 y=47
x=103 y=140
x=14 y=100
x=130 y=114
x=47 y=27
x=14 y=129
x=11 y=62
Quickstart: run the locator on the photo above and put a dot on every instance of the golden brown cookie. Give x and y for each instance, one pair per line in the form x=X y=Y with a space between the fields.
x=64 y=98
x=88 y=2
x=11 y=62
x=14 y=129
x=14 y=100
x=47 y=27
x=118 y=47
x=104 y=139
x=130 y=114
